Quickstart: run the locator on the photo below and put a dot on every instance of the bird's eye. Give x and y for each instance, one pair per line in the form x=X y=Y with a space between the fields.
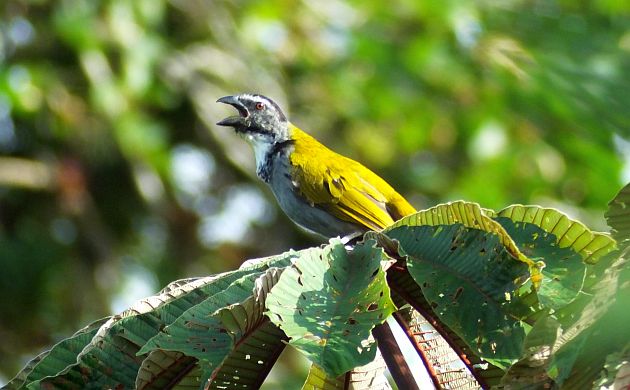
x=260 y=106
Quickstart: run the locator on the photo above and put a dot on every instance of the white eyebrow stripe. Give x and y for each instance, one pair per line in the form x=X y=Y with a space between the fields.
x=257 y=98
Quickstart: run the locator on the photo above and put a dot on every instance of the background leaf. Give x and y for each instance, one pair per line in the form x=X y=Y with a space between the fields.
x=579 y=354
x=618 y=216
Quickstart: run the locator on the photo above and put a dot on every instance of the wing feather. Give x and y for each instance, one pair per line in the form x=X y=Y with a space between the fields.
x=343 y=187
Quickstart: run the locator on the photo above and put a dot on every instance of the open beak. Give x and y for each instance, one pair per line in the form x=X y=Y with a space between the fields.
x=235 y=120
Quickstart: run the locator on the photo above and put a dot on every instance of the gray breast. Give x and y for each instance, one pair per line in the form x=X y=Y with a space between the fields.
x=295 y=207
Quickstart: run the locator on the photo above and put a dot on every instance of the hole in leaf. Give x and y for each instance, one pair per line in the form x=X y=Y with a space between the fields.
x=458 y=292
x=351 y=321
x=373 y=306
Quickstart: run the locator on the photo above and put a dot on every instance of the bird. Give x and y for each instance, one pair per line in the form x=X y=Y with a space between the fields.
x=320 y=190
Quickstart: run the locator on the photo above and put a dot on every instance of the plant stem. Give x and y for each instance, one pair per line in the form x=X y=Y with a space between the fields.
x=394 y=358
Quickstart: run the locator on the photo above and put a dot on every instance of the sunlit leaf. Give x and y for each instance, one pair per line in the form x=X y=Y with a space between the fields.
x=328 y=302
x=318 y=379
x=367 y=377
x=564 y=272
x=472 y=283
x=469 y=215
x=568 y=233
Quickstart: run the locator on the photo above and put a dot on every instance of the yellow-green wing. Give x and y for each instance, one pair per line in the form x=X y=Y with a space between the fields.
x=343 y=187
x=353 y=198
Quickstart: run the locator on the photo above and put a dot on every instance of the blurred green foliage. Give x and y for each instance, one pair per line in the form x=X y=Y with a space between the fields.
x=114 y=179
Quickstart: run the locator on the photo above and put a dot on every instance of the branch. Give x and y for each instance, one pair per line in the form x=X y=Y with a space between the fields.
x=394 y=358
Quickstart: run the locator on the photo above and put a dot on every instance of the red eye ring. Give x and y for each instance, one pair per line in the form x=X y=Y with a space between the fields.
x=260 y=106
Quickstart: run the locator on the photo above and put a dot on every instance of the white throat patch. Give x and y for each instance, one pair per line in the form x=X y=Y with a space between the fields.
x=262 y=147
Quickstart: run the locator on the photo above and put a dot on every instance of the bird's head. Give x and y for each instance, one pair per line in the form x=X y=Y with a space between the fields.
x=259 y=118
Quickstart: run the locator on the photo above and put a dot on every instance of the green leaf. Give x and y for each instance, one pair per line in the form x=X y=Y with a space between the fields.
x=472 y=283
x=110 y=359
x=531 y=371
x=253 y=357
x=406 y=290
x=264 y=263
x=258 y=342
x=328 y=302
x=470 y=215
x=246 y=366
x=616 y=372
x=570 y=250
x=564 y=271
x=199 y=331
x=568 y=233
x=368 y=377
x=579 y=354
x=618 y=216
x=107 y=361
x=55 y=360
x=160 y=369
x=225 y=333
x=317 y=379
